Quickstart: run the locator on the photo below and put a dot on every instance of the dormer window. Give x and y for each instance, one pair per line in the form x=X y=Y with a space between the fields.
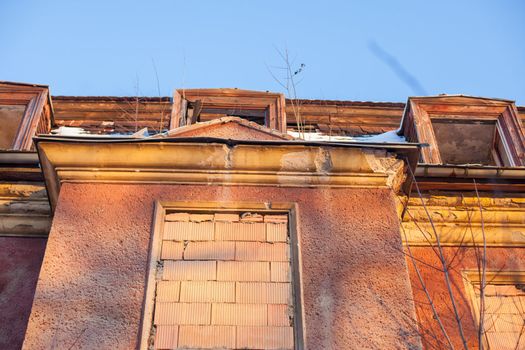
x=464 y=130
x=25 y=110
x=469 y=142
x=201 y=105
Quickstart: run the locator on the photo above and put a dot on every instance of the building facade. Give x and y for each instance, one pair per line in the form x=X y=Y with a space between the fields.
x=227 y=218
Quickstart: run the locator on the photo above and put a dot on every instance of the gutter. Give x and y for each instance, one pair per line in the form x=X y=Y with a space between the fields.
x=469 y=172
x=20 y=166
x=408 y=146
x=470 y=178
x=19 y=159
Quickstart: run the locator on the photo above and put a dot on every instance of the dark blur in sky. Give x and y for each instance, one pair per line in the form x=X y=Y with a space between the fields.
x=352 y=50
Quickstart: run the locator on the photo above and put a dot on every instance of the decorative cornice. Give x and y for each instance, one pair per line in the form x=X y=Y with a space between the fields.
x=24 y=210
x=458 y=221
x=494 y=277
x=24 y=207
x=284 y=165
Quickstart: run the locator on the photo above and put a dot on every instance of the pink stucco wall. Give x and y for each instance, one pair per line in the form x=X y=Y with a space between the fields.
x=90 y=293
x=20 y=260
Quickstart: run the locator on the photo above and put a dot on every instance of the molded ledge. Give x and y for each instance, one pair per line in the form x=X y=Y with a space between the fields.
x=214 y=163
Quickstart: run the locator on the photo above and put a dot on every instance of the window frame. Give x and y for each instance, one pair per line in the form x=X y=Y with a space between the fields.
x=416 y=124
x=38 y=114
x=155 y=245
x=471 y=278
x=273 y=105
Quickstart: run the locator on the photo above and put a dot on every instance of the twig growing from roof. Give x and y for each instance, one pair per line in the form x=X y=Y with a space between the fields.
x=136 y=104
x=289 y=83
x=161 y=126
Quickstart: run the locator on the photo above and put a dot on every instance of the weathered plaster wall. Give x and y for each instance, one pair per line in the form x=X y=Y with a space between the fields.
x=90 y=292
x=20 y=260
x=459 y=258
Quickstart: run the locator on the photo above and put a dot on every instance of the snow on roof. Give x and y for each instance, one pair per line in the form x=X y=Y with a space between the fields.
x=386 y=137
x=69 y=131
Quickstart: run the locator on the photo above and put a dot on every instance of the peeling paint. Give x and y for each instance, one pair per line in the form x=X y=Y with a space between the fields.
x=296 y=161
x=323 y=161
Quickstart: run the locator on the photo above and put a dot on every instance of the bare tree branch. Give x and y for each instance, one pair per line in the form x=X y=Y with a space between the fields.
x=444 y=265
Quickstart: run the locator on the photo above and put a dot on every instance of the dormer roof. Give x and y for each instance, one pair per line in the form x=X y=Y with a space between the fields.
x=233 y=128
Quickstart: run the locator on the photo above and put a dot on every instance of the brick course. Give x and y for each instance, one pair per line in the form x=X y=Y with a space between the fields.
x=207 y=337
x=243 y=271
x=276 y=232
x=267 y=293
x=189 y=270
x=166 y=337
x=238 y=231
x=225 y=283
x=189 y=231
x=209 y=291
x=280 y=272
x=279 y=315
x=168 y=291
x=239 y=314
x=210 y=251
x=182 y=313
x=171 y=250
x=262 y=251
x=265 y=337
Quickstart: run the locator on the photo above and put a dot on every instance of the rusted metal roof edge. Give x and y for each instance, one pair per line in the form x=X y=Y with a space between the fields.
x=349 y=103
x=16 y=166
x=113 y=98
x=20 y=158
x=23 y=84
x=469 y=171
x=462 y=95
x=232 y=142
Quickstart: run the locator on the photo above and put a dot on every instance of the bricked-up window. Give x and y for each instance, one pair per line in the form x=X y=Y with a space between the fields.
x=224 y=282
x=504 y=316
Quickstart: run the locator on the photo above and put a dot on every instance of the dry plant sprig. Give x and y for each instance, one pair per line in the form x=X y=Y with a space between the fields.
x=427 y=332
x=289 y=83
x=446 y=268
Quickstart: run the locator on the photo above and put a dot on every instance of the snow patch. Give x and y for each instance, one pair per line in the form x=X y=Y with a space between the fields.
x=386 y=137
x=69 y=131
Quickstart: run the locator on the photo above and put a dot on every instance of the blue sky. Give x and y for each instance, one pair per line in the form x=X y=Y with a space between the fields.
x=352 y=50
